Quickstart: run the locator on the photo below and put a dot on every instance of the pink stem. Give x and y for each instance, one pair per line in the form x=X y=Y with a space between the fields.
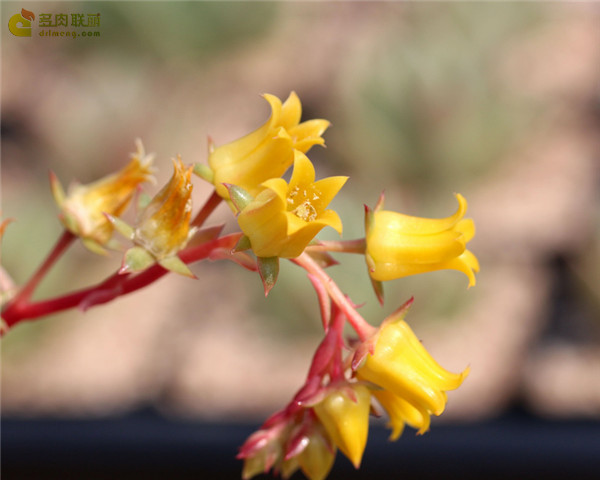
x=343 y=246
x=114 y=286
x=213 y=202
x=360 y=325
x=22 y=297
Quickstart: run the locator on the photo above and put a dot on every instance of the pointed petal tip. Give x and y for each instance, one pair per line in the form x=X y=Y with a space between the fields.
x=124 y=270
x=380 y=201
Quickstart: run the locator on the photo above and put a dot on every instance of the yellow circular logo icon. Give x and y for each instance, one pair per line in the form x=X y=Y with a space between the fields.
x=20 y=23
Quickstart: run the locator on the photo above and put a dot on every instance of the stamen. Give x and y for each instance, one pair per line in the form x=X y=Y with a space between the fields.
x=306 y=212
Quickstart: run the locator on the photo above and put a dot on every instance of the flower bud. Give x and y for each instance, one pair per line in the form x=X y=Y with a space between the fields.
x=345 y=415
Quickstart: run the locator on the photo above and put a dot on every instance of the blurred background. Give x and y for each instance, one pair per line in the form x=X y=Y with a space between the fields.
x=497 y=101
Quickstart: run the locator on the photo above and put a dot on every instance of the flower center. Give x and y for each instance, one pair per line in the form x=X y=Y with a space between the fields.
x=306 y=212
x=300 y=203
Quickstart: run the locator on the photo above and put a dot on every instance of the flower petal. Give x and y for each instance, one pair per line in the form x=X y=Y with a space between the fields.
x=423 y=226
x=325 y=190
x=347 y=421
x=416 y=249
x=467 y=227
x=308 y=133
x=303 y=173
x=291 y=112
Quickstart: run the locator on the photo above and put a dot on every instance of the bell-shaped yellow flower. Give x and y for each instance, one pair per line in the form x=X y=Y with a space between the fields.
x=268 y=151
x=83 y=209
x=283 y=219
x=346 y=419
x=414 y=384
x=401 y=412
x=400 y=245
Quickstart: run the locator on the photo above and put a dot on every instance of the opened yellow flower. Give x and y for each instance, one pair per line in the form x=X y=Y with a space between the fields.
x=346 y=420
x=414 y=384
x=268 y=151
x=163 y=227
x=283 y=219
x=83 y=209
x=401 y=412
x=400 y=245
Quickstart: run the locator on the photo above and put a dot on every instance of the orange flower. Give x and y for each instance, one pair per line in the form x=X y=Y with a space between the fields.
x=84 y=209
x=163 y=227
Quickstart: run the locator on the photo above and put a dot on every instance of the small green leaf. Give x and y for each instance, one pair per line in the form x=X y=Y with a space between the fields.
x=175 y=264
x=268 y=267
x=114 y=244
x=136 y=259
x=378 y=289
x=94 y=246
x=204 y=172
x=243 y=244
x=57 y=190
x=70 y=222
x=239 y=197
x=143 y=200
x=401 y=312
x=120 y=226
x=369 y=219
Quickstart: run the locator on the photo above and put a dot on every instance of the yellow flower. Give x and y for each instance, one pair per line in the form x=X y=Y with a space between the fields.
x=401 y=412
x=400 y=245
x=83 y=209
x=414 y=384
x=268 y=151
x=346 y=419
x=283 y=219
x=163 y=227
x=316 y=457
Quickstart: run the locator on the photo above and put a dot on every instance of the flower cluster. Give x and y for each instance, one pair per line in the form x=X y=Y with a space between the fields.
x=386 y=369
x=390 y=369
